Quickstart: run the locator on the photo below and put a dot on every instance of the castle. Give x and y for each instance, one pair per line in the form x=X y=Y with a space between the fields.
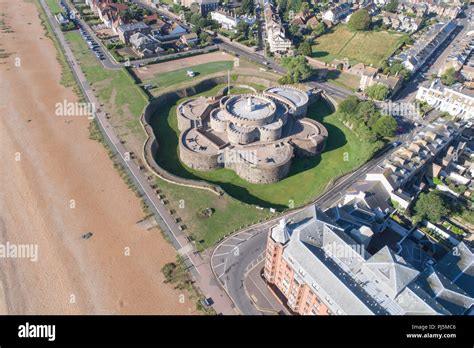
x=254 y=134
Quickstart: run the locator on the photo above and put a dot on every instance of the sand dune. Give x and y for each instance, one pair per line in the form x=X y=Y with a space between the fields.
x=58 y=163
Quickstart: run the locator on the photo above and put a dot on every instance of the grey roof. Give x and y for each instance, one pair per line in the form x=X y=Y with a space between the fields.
x=392 y=273
x=415 y=301
x=458 y=266
x=340 y=292
x=133 y=26
x=448 y=294
x=351 y=281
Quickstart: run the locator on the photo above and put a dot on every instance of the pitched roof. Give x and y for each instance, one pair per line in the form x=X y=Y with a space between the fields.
x=391 y=271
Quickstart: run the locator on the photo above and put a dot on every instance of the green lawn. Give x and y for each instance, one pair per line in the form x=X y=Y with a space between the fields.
x=177 y=76
x=128 y=103
x=308 y=177
x=371 y=47
x=54 y=6
x=343 y=79
x=115 y=88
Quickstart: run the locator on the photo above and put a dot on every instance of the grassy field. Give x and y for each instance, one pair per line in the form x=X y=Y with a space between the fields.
x=369 y=47
x=343 y=79
x=308 y=177
x=115 y=88
x=124 y=100
x=177 y=76
x=54 y=6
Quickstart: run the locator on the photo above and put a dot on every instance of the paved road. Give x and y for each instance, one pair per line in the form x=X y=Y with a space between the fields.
x=199 y=269
x=408 y=93
x=231 y=258
x=109 y=62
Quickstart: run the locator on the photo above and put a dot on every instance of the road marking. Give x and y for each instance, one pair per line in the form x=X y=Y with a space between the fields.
x=261 y=292
x=246 y=233
x=223 y=263
x=227 y=245
x=239 y=239
x=222 y=254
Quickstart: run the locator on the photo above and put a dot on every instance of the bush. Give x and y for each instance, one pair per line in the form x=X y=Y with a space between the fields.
x=377 y=92
x=449 y=77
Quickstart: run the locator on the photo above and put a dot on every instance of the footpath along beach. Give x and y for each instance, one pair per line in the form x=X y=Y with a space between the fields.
x=59 y=163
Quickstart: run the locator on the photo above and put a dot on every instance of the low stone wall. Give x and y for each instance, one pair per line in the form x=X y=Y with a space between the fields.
x=150 y=148
x=252 y=174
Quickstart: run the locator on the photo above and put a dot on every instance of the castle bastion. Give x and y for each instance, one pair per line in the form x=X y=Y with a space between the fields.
x=256 y=134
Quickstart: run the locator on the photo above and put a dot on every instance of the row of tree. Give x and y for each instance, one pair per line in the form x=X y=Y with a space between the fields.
x=366 y=120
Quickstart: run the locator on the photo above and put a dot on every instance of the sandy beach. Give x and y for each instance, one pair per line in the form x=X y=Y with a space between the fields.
x=47 y=161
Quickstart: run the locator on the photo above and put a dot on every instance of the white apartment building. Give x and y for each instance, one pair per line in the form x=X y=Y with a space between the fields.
x=275 y=32
x=455 y=101
x=229 y=20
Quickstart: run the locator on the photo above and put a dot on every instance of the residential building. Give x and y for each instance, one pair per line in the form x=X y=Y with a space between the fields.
x=167 y=32
x=456 y=100
x=229 y=20
x=321 y=270
x=276 y=38
x=110 y=13
x=145 y=45
x=204 y=6
x=462 y=53
x=416 y=56
x=401 y=22
x=445 y=10
x=402 y=172
x=189 y=39
x=125 y=31
x=337 y=13
x=370 y=76
x=305 y=19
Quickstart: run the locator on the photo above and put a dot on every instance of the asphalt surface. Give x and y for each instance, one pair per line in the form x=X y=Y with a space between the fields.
x=231 y=258
x=408 y=93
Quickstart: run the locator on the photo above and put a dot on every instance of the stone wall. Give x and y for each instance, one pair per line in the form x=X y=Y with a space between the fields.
x=196 y=160
x=262 y=175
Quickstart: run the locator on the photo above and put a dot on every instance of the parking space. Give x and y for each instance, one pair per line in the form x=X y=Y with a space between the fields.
x=93 y=45
x=227 y=252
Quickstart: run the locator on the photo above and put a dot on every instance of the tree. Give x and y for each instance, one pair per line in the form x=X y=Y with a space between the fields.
x=391 y=6
x=397 y=68
x=305 y=49
x=385 y=126
x=298 y=68
x=365 y=110
x=205 y=38
x=247 y=6
x=449 y=77
x=406 y=40
x=360 y=20
x=294 y=29
x=431 y=206
x=320 y=29
x=348 y=105
x=377 y=91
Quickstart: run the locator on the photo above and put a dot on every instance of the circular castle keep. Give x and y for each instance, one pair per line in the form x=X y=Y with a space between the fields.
x=256 y=135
